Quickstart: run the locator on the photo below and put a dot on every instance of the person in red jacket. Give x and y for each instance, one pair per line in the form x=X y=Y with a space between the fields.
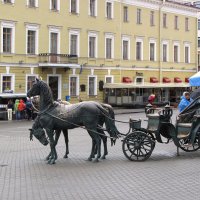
x=151 y=98
x=21 y=108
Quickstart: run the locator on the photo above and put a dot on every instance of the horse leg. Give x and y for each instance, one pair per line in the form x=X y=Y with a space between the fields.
x=97 y=141
x=53 y=155
x=65 y=133
x=104 y=139
x=93 y=148
x=57 y=135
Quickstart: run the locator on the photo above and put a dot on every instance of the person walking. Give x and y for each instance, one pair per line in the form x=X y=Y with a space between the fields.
x=21 y=108
x=10 y=107
x=28 y=109
x=17 y=112
x=185 y=101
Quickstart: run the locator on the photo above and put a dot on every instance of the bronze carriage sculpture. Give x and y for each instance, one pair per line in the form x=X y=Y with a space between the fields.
x=138 y=143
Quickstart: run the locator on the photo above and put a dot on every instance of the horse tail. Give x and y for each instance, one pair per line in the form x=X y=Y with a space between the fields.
x=110 y=110
x=109 y=115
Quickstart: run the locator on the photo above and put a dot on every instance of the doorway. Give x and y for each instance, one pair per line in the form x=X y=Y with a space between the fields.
x=54 y=84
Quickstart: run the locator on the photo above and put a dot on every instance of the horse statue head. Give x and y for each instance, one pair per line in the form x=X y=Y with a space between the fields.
x=39 y=133
x=43 y=90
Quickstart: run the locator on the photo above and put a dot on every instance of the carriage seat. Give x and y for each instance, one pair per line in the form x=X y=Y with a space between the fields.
x=183 y=130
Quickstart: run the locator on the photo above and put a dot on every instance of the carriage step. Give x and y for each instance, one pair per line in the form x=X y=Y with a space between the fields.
x=181 y=136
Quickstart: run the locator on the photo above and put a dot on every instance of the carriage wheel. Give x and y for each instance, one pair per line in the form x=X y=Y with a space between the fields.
x=138 y=146
x=195 y=147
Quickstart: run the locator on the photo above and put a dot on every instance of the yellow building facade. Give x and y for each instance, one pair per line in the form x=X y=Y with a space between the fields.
x=98 y=49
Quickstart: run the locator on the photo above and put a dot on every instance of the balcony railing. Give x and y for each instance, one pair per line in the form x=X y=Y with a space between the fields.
x=57 y=58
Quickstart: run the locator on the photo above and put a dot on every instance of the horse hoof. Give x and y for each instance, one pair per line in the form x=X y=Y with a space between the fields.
x=89 y=159
x=103 y=157
x=96 y=160
x=65 y=156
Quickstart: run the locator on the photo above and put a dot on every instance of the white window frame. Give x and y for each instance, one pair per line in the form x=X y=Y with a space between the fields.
x=153 y=42
x=187 y=45
x=128 y=39
x=27 y=75
x=142 y=47
x=12 y=1
x=77 y=85
x=36 y=29
x=77 y=7
x=96 y=3
x=77 y=33
x=54 y=30
x=176 y=44
x=95 y=85
x=10 y=25
x=109 y=76
x=59 y=83
x=58 y=5
x=112 y=8
x=166 y=43
x=36 y=3
x=12 y=81
x=110 y=36
x=93 y=34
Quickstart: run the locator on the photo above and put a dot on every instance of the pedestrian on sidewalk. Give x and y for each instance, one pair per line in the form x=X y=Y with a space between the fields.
x=16 y=110
x=10 y=107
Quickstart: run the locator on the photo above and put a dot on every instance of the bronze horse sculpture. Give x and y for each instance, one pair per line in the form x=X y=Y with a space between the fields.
x=53 y=116
x=99 y=129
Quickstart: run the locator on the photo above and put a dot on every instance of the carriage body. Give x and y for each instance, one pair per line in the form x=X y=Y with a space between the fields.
x=160 y=129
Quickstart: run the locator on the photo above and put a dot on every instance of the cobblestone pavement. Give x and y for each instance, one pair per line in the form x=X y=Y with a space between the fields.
x=24 y=175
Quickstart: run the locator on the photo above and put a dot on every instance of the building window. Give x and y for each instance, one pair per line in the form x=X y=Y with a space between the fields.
x=138 y=50
x=152 y=52
x=73 y=6
x=73 y=44
x=30 y=82
x=7 y=40
x=139 y=16
x=109 y=79
x=187 y=54
x=32 y=3
x=164 y=20
x=109 y=10
x=8 y=1
x=92 y=83
x=108 y=48
x=6 y=83
x=31 y=41
x=152 y=18
x=74 y=85
x=125 y=50
x=187 y=24
x=198 y=41
x=93 y=8
x=198 y=24
x=8 y=37
x=54 y=47
x=92 y=47
x=165 y=49
x=55 y=5
x=176 y=53
x=125 y=14
x=176 y=22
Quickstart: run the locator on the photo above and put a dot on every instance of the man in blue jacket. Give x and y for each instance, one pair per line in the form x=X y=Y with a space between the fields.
x=185 y=101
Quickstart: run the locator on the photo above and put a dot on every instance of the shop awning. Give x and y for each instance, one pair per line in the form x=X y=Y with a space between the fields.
x=177 y=80
x=126 y=80
x=146 y=85
x=12 y=95
x=153 y=80
x=166 y=80
x=195 y=79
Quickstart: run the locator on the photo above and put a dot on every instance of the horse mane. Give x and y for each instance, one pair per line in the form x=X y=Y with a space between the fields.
x=46 y=93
